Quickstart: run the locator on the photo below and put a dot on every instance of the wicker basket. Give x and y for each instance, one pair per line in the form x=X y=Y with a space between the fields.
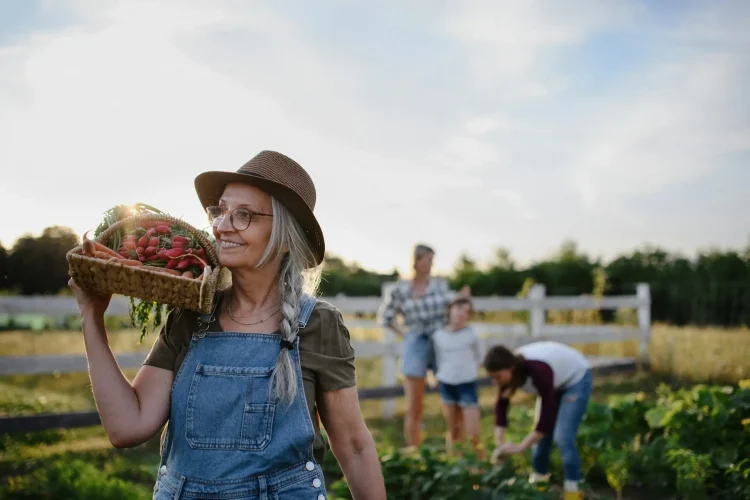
x=102 y=276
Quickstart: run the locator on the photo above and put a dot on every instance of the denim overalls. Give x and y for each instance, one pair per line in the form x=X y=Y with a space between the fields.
x=227 y=438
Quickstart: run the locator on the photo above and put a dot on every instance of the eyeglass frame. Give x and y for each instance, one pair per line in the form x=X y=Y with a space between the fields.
x=231 y=216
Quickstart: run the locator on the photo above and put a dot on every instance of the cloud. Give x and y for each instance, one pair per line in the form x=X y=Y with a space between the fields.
x=681 y=124
x=515 y=200
x=509 y=42
x=403 y=120
x=481 y=125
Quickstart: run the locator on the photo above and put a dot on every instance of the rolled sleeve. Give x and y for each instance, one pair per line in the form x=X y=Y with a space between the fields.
x=390 y=307
x=326 y=351
x=165 y=350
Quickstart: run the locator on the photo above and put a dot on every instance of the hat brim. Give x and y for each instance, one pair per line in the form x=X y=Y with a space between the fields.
x=210 y=186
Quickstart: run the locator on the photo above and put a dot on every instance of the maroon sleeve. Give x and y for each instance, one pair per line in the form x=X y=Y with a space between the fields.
x=501 y=410
x=544 y=381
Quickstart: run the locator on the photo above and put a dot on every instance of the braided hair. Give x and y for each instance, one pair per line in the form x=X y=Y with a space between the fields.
x=290 y=250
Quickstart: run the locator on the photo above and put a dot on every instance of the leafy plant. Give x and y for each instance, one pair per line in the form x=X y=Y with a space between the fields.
x=70 y=480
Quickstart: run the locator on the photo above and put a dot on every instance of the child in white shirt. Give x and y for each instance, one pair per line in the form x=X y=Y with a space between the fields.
x=459 y=356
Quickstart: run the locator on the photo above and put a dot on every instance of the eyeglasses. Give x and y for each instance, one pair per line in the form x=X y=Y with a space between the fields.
x=239 y=217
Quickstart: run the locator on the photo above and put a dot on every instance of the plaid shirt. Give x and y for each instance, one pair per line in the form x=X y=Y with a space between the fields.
x=423 y=314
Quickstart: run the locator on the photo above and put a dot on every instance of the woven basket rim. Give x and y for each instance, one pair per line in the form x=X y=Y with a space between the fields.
x=208 y=281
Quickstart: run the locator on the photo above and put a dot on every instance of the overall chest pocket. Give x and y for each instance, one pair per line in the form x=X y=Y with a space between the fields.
x=229 y=408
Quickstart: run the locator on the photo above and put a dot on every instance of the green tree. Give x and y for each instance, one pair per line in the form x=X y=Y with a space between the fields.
x=4 y=280
x=37 y=264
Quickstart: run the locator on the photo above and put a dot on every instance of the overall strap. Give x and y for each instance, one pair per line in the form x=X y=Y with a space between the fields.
x=205 y=320
x=306 y=306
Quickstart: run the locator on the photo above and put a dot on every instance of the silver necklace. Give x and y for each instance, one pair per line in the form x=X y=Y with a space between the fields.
x=234 y=318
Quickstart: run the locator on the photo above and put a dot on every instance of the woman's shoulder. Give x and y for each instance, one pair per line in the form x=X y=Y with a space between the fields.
x=325 y=331
x=324 y=317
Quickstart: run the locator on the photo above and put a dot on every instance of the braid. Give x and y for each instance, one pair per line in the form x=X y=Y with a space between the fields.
x=284 y=379
x=290 y=250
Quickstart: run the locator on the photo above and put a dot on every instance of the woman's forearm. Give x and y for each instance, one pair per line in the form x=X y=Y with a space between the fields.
x=499 y=434
x=361 y=467
x=116 y=400
x=531 y=439
x=396 y=330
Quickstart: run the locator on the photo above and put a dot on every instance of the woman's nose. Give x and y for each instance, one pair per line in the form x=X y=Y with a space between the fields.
x=225 y=224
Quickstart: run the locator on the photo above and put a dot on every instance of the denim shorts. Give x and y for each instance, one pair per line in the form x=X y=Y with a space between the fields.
x=418 y=356
x=464 y=395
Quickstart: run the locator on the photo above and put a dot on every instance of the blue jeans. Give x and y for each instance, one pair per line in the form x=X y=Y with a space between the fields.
x=463 y=395
x=571 y=407
x=418 y=356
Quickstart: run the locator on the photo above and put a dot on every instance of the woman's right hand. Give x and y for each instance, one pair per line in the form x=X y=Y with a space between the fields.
x=89 y=303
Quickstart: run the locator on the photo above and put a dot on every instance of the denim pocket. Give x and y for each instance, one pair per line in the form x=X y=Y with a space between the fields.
x=230 y=408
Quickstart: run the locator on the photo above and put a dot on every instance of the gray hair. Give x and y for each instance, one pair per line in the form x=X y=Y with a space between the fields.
x=290 y=249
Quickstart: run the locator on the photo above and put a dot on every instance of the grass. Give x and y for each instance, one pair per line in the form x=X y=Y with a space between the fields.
x=21 y=455
x=676 y=355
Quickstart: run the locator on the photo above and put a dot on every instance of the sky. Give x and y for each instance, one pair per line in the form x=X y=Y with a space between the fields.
x=468 y=125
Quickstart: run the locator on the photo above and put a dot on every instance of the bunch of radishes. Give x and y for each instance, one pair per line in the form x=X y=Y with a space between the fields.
x=159 y=245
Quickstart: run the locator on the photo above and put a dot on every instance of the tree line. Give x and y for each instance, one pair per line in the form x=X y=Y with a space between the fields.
x=711 y=288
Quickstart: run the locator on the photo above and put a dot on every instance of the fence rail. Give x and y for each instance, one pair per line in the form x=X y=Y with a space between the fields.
x=511 y=335
x=90 y=418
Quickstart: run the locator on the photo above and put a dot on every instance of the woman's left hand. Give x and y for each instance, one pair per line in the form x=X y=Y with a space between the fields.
x=511 y=449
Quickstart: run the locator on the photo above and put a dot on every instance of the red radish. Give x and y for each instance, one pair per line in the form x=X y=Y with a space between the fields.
x=183 y=264
x=187 y=274
x=151 y=232
x=163 y=254
x=150 y=251
x=180 y=238
x=172 y=264
x=143 y=241
x=175 y=252
x=142 y=258
x=153 y=242
x=163 y=229
x=200 y=253
x=153 y=258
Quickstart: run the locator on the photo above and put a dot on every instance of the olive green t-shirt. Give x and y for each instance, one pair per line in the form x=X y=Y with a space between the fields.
x=325 y=349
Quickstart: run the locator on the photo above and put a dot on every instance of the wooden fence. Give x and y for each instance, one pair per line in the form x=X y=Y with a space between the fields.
x=512 y=335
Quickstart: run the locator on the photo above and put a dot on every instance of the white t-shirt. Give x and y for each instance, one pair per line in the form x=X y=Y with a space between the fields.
x=568 y=364
x=458 y=355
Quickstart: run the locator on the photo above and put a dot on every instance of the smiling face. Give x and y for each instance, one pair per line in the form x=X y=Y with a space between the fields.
x=243 y=249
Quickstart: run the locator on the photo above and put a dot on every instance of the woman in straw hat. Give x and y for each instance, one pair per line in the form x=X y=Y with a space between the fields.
x=423 y=302
x=243 y=388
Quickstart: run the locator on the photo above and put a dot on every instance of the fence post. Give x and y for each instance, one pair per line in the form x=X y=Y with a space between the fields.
x=388 y=364
x=643 y=292
x=536 y=309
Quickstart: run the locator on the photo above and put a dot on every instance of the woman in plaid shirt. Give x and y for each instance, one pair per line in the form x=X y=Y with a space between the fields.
x=423 y=303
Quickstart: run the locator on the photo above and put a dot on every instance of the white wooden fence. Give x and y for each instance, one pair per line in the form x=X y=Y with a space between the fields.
x=511 y=335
